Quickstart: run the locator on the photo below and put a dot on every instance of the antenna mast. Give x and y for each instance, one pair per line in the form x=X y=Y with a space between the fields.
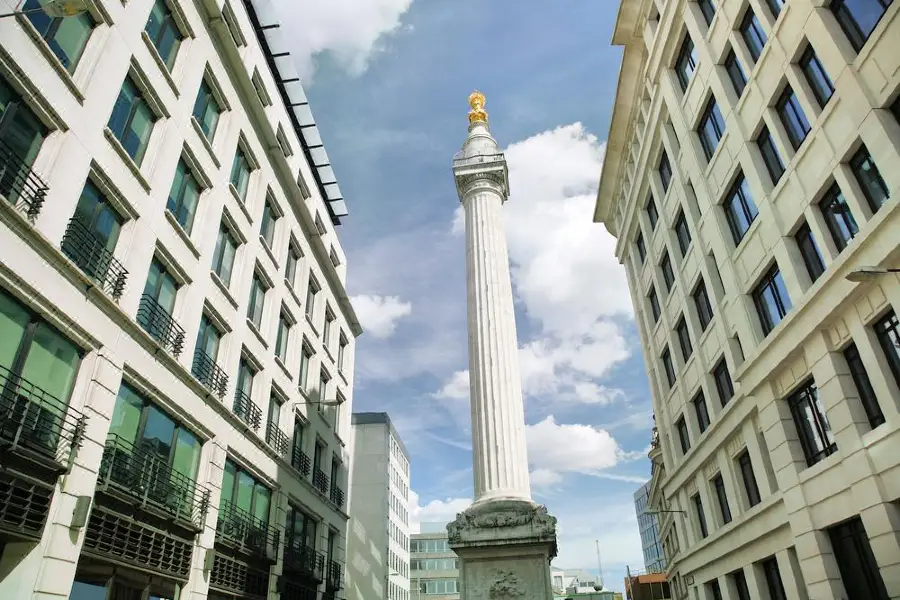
x=599 y=563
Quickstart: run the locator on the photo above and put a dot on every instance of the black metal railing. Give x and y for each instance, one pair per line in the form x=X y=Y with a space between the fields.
x=300 y=557
x=247 y=410
x=335 y=575
x=21 y=186
x=278 y=439
x=91 y=255
x=209 y=373
x=337 y=496
x=250 y=534
x=300 y=460
x=35 y=420
x=160 y=325
x=320 y=480
x=146 y=478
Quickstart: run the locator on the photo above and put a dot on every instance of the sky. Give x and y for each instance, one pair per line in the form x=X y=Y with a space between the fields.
x=388 y=82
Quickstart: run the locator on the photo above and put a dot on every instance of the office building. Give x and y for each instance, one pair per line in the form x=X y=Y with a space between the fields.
x=378 y=547
x=433 y=566
x=654 y=559
x=751 y=180
x=176 y=342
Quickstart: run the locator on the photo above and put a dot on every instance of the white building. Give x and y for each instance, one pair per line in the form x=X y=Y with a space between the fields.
x=176 y=342
x=752 y=168
x=433 y=565
x=378 y=545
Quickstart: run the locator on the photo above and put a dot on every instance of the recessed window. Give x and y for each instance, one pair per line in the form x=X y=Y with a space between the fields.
x=792 y=117
x=683 y=233
x=701 y=411
x=775 y=6
x=735 y=73
x=771 y=158
x=858 y=18
x=184 y=196
x=163 y=32
x=290 y=269
x=668 y=367
x=665 y=265
x=334 y=258
x=713 y=589
x=816 y=76
x=740 y=584
x=329 y=323
x=342 y=352
x=686 y=63
x=888 y=331
x=701 y=516
x=641 y=248
x=740 y=210
x=812 y=425
x=654 y=304
x=132 y=120
x=701 y=302
x=724 y=510
x=268 y=223
x=240 y=173
x=305 y=358
x=652 y=214
x=91 y=236
x=867 y=396
x=284 y=336
x=838 y=217
x=223 y=257
x=724 y=385
x=207 y=110
x=66 y=36
x=320 y=226
x=257 y=301
x=869 y=179
x=684 y=339
x=683 y=437
x=771 y=299
x=711 y=128
x=283 y=142
x=810 y=252
x=708 y=9
x=895 y=108
x=311 y=291
x=749 y=479
x=665 y=171
x=753 y=34
x=856 y=561
x=773 y=579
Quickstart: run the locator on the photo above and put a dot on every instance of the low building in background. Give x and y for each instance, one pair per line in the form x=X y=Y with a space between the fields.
x=654 y=558
x=647 y=586
x=434 y=567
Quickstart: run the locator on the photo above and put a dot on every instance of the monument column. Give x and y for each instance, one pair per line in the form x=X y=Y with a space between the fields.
x=504 y=540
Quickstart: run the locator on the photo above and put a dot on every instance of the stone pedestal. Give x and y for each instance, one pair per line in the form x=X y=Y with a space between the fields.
x=505 y=548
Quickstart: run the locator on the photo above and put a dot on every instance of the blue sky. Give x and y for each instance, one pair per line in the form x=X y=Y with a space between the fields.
x=388 y=82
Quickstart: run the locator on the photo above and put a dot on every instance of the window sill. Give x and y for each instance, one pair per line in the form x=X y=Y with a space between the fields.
x=184 y=235
x=223 y=288
x=284 y=368
x=252 y=326
x=206 y=143
x=129 y=162
x=240 y=202
x=312 y=325
x=54 y=61
x=269 y=253
x=159 y=62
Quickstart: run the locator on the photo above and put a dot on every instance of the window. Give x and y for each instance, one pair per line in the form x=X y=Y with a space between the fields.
x=715 y=593
x=735 y=73
x=869 y=179
x=682 y=233
x=642 y=250
x=810 y=252
x=749 y=479
x=161 y=287
x=290 y=269
x=342 y=352
x=100 y=222
x=132 y=120
x=683 y=437
x=305 y=357
x=207 y=110
x=652 y=214
x=684 y=339
x=184 y=196
x=812 y=425
x=686 y=63
x=311 y=291
x=775 y=6
x=301 y=528
x=326 y=331
x=708 y=9
x=324 y=378
x=654 y=304
x=792 y=117
x=724 y=386
x=770 y=155
x=66 y=37
x=719 y=487
x=740 y=210
x=838 y=217
x=267 y=224
x=711 y=128
x=334 y=258
x=665 y=171
x=667 y=366
x=243 y=491
x=895 y=108
x=740 y=584
x=164 y=32
x=753 y=34
x=856 y=561
x=257 y=301
x=240 y=173
x=701 y=411
x=208 y=338
x=867 y=396
x=817 y=77
x=704 y=308
x=320 y=226
x=665 y=266
x=283 y=142
x=773 y=579
x=20 y=130
x=284 y=336
x=701 y=517
x=858 y=18
x=223 y=257
x=771 y=299
x=888 y=331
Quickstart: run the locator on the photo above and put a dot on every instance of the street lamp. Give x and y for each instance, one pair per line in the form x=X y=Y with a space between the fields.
x=868 y=273
x=54 y=8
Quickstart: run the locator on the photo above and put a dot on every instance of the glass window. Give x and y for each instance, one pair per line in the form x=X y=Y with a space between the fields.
x=749 y=479
x=342 y=351
x=740 y=209
x=223 y=258
x=654 y=304
x=665 y=266
x=683 y=437
x=683 y=233
x=207 y=110
x=66 y=37
x=267 y=225
x=257 y=301
x=164 y=32
x=771 y=299
x=668 y=367
x=242 y=490
x=858 y=18
x=290 y=270
x=184 y=196
x=240 y=173
x=245 y=378
x=770 y=155
x=735 y=73
x=792 y=117
x=326 y=332
x=856 y=561
x=686 y=63
x=324 y=378
x=775 y=6
x=701 y=516
x=888 y=331
x=867 y=396
x=21 y=132
x=724 y=385
x=684 y=339
x=305 y=357
x=812 y=425
x=704 y=308
x=816 y=76
x=284 y=332
x=753 y=34
x=869 y=179
x=161 y=286
x=838 y=217
x=208 y=338
x=701 y=411
x=275 y=405
x=311 y=291
x=652 y=213
x=665 y=171
x=708 y=9
x=98 y=217
x=773 y=579
x=810 y=252
x=722 y=497
x=711 y=128
x=132 y=120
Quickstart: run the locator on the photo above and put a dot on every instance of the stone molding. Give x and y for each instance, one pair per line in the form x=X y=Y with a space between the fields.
x=503 y=522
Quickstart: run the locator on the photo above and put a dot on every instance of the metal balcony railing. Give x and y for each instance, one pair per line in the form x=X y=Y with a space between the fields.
x=209 y=373
x=160 y=325
x=335 y=575
x=247 y=410
x=144 y=477
x=21 y=186
x=299 y=557
x=246 y=532
x=91 y=255
x=278 y=439
x=300 y=460
x=320 y=480
x=35 y=421
x=337 y=496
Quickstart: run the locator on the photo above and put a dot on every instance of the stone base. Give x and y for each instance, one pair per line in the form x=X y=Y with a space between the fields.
x=504 y=549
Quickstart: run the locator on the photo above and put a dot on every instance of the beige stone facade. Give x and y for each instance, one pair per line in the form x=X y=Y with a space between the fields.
x=799 y=434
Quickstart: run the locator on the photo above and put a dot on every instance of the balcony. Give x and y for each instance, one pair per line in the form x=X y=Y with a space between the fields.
x=209 y=373
x=302 y=559
x=246 y=533
x=91 y=255
x=21 y=186
x=335 y=575
x=320 y=480
x=278 y=439
x=337 y=496
x=143 y=478
x=160 y=325
x=301 y=461
x=247 y=410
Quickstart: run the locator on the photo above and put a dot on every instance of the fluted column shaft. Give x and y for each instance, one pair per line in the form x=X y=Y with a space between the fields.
x=500 y=459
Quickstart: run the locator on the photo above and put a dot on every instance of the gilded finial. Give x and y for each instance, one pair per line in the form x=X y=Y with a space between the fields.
x=477 y=114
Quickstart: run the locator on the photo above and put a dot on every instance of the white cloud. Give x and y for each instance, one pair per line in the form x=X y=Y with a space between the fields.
x=436 y=511
x=555 y=448
x=351 y=31
x=543 y=478
x=456 y=388
x=379 y=315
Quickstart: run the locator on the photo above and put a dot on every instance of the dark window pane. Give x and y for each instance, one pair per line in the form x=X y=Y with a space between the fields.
x=665 y=171
x=722 y=497
x=711 y=128
x=704 y=308
x=753 y=34
x=816 y=76
x=792 y=117
x=184 y=196
x=888 y=331
x=652 y=214
x=686 y=63
x=740 y=210
x=708 y=9
x=858 y=18
x=164 y=32
x=869 y=178
x=683 y=436
x=684 y=339
x=750 y=486
x=770 y=155
x=132 y=120
x=856 y=561
x=654 y=304
x=864 y=386
x=665 y=266
x=740 y=584
x=775 y=6
x=812 y=425
x=771 y=299
x=667 y=366
x=810 y=252
x=701 y=517
x=724 y=386
x=700 y=409
x=715 y=592
x=735 y=73
x=641 y=248
x=67 y=37
x=838 y=217
x=682 y=233
x=773 y=579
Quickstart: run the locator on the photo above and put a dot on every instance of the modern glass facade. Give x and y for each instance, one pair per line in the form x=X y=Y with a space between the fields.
x=654 y=559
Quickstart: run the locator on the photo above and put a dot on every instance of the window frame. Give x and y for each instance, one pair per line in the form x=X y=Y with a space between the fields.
x=887 y=330
x=258 y=291
x=774 y=283
x=804 y=403
x=735 y=72
x=169 y=22
x=684 y=437
x=816 y=75
x=857 y=165
x=655 y=309
x=809 y=251
x=641 y=247
x=712 y=117
x=701 y=516
x=866 y=393
x=652 y=212
x=684 y=339
x=838 y=217
x=701 y=410
x=738 y=197
x=682 y=233
x=748 y=477
x=49 y=30
x=765 y=143
x=283 y=336
x=686 y=62
x=219 y=254
x=788 y=106
x=665 y=266
x=850 y=24
x=718 y=485
x=177 y=205
x=708 y=10
x=853 y=550
x=668 y=367
x=774 y=586
x=702 y=304
x=724 y=383
x=665 y=171
x=752 y=33
x=207 y=101
x=137 y=102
